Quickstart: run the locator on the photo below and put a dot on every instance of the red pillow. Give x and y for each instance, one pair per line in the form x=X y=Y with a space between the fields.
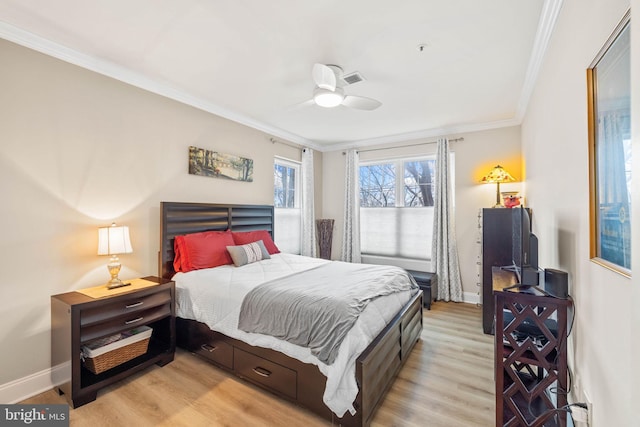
x=245 y=237
x=202 y=250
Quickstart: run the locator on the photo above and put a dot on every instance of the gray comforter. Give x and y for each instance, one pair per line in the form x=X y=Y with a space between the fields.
x=316 y=308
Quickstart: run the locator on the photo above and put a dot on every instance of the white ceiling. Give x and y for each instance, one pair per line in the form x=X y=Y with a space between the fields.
x=251 y=60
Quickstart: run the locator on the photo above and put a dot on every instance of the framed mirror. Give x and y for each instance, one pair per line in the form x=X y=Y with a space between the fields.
x=609 y=110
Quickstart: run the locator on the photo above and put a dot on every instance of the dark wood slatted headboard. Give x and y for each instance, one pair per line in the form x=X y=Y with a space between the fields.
x=183 y=218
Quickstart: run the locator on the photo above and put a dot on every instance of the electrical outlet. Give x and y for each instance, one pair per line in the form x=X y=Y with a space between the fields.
x=587 y=400
x=579 y=416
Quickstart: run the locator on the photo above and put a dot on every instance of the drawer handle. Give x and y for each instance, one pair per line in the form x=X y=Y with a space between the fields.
x=137 y=304
x=128 y=322
x=207 y=347
x=261 y=371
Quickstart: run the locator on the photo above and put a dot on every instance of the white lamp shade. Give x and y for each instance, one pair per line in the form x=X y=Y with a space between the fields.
x=114 y=240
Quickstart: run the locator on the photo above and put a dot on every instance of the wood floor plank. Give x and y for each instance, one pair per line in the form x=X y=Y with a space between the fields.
x=447 y=381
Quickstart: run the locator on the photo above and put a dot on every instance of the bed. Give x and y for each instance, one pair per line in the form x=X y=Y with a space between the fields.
x=292 y=378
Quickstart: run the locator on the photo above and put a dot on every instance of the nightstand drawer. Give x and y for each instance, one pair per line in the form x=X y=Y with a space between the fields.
x=124 y=322
x=124 y=307
x=273 y=376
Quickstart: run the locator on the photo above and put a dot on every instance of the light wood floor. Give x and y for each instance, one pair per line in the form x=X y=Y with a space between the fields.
x=447 y=381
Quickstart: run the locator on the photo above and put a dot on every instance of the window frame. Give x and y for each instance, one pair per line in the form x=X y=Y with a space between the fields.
x=399 y=164
x=297 y=196
x=398 y=258
x=289 y=238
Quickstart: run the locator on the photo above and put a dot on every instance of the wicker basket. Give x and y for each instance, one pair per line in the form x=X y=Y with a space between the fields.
x=120 y=348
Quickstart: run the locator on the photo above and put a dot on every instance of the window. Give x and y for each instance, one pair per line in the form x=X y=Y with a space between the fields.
x=286 y=200
x=396 y=208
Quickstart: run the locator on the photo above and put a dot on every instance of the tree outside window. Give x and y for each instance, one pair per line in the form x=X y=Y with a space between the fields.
x=380 y=184
x=418 y=182
x=284 y=185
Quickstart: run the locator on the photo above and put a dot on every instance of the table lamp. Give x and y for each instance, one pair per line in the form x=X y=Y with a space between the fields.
x=497 y=175
x=112 y=241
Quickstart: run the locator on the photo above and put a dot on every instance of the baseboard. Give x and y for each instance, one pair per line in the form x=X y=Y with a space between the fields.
x=471 y=297
x=24 y=388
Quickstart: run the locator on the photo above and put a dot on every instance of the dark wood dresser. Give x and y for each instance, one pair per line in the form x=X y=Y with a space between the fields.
x=496 y=252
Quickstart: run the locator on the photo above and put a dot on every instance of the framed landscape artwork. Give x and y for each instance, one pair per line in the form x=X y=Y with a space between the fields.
x=214 y=164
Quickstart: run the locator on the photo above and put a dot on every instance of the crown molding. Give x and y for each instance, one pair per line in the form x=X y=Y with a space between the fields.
x=110 y=69
x=423 y=134
x=546 y=25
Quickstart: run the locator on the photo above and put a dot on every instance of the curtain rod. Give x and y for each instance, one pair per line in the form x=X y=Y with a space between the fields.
x=290 y=144
x=407 y=145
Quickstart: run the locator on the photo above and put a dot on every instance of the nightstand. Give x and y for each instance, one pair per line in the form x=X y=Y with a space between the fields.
x=77 y=319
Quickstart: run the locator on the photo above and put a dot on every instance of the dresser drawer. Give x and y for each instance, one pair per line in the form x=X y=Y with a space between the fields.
x=125 y=321
x=217 y=351
x=123 y=307
x=273 y=376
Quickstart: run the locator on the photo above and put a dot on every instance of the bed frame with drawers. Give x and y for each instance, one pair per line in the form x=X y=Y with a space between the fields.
x=298 y=382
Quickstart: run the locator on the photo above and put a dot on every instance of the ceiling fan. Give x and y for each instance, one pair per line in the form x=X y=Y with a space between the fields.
x=329 y=80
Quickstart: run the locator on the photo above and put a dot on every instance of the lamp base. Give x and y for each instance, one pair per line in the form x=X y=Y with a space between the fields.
x=114 y=268
x=116 y=283
x=498 y=201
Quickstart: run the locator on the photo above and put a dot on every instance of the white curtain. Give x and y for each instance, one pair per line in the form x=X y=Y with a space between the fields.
x=308 y=213
x=444 y=253
x=351 y=235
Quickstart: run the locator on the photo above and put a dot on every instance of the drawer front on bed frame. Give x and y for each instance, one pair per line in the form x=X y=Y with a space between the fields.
x=216 y=350
x=264 y=372
x=199 y=339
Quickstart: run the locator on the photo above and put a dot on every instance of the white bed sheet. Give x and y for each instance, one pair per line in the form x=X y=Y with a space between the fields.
x=214 y=296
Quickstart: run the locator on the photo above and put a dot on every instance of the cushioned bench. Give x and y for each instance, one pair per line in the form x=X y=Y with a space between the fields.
x=428 y=282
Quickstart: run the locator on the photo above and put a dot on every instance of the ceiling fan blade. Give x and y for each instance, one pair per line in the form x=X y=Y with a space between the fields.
x=324 y=77
x=299 y=105
x=360 y=102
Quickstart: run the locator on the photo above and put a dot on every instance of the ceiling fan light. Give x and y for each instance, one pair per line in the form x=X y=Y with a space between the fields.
x=328 y=99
